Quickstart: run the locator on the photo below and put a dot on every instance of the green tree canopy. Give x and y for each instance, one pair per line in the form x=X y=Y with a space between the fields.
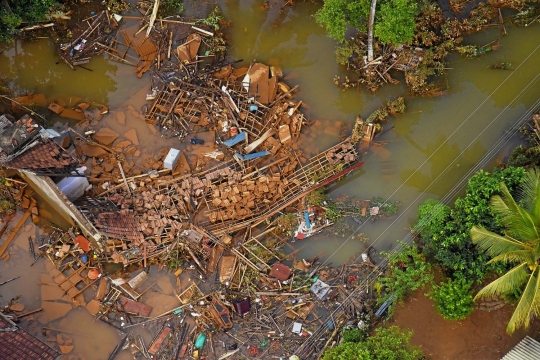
x=407 y=271
x=386 y=344
x=394 y=19
x=14 y=12
x=397 y=22
x=337 y=15
x=520 y=246
x=445 y=231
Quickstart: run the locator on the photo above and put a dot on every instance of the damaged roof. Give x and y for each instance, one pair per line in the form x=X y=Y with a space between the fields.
x=17 y=344
x=120 y=225
x=17 y=135
x=45 y=155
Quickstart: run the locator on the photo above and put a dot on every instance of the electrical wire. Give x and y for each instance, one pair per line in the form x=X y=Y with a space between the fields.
x=372 y=276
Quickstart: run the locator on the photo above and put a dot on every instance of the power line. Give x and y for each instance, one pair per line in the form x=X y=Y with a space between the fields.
x=485 y=159
x=440 y=146
x=372 y=276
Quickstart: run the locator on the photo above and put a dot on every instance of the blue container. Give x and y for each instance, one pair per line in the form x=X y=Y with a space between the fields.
x=84 y=259
x=197 y=141
x=253 y=108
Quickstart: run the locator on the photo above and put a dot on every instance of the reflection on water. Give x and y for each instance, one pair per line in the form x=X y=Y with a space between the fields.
x=33 y=67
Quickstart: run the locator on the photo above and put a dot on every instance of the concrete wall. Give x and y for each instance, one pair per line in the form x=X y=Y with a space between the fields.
x=46 y=188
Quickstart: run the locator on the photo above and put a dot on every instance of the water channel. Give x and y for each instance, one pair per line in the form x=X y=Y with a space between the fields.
x=429 y=148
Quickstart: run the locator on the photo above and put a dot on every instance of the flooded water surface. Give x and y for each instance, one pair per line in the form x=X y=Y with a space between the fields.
x=427 y=150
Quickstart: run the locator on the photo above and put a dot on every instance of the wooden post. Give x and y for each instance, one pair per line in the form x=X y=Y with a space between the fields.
x=170 y=45
x=502 y=22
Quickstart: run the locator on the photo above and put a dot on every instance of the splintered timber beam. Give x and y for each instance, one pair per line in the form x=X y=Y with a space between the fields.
x=259 y=141
x=153 y=17
x=16 y=230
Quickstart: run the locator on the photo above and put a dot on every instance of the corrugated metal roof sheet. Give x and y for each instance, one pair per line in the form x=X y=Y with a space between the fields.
x=526 y=349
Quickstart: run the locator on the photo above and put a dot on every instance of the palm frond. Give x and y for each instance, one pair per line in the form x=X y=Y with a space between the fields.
x=513 y=279
x=527 y=305
x=528 y=193
x=516 y=220
x=516 y=256
x=495 y=244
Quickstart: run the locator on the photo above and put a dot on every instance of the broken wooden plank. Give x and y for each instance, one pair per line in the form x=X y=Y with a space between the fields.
x=156 y=345
x=204 y=32
x=15 y=231
x=135 y=307
x=259 y=141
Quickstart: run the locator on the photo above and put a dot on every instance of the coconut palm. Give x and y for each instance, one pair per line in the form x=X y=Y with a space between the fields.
x=520 y=245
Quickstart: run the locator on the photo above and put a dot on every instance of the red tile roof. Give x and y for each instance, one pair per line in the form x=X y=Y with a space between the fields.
x=45 y=155
x=17 y=344
x=121 y=224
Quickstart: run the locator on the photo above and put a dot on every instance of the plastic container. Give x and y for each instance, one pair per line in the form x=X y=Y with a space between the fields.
x=84 y=259
x=73 y=187
x=199 y=342
x=171 y=159
x=93 y=274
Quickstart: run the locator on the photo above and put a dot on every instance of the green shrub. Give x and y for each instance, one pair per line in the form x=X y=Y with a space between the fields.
x=347 y=351
x=354 y=335
x=453 y=298
x=386 y=344
x=171 y=7
x=407 y=271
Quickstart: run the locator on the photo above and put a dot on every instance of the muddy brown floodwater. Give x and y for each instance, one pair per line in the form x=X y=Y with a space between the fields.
x=429 y=148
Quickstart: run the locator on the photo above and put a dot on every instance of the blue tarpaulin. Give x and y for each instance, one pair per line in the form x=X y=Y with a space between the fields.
x=306 y=217
x=385 y=305
x=236 y=139
x=253 y=156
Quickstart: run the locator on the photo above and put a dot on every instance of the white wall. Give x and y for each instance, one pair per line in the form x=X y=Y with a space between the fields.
x=46 y=188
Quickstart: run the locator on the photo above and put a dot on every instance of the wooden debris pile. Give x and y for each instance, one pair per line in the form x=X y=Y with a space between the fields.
x=98 y=33
x=145 y=47
x=272 y=190
x=185 y=106
x=236 y=200
x=228 y=100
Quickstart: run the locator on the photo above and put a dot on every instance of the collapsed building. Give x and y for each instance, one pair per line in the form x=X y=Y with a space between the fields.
x=214 y=216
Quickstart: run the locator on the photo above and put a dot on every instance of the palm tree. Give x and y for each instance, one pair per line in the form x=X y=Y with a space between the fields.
x=520 y=245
